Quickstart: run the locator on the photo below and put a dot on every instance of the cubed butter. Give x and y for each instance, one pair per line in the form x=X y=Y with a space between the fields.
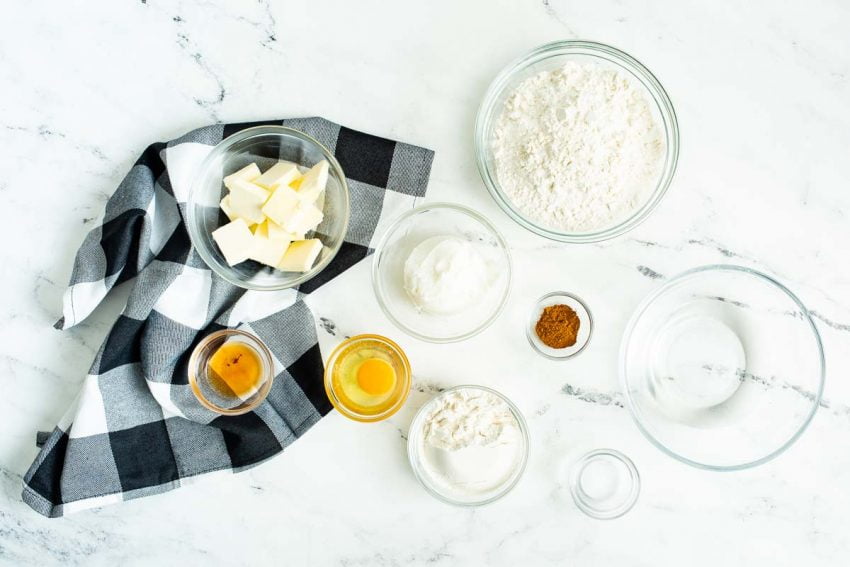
x=303 y=219
x=247 y=173
x=281 y=205
x=247 y=200
x=280 y=174
x=227 y=208
x=271 y=229
x=301 y=255
x=268 y=251
x=274 y=230
x=235 y=241
x=313 y=182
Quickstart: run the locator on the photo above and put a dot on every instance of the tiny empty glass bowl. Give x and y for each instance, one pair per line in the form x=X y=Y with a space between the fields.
x=399 y=362
x=265 y=146
x=604 y=484
x=722 y=367
x=585 y=328
x=407 y=232
x=207 y=387
x=552 y=56
x=451 y=494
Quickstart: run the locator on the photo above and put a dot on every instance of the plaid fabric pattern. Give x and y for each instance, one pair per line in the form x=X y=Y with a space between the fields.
x=136 y=428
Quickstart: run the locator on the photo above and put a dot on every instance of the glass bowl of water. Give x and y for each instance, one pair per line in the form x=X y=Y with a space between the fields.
x=722 y=367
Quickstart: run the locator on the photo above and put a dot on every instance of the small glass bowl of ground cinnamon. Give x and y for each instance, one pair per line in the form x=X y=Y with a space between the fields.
x=560 y=325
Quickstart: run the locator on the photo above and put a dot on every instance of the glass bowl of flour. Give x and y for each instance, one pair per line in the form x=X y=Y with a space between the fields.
x=441 y=272
x=468 y=446
x=577 y=141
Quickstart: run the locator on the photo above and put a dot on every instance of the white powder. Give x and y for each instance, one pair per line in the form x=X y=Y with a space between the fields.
x=577 y=148
x=470 y=442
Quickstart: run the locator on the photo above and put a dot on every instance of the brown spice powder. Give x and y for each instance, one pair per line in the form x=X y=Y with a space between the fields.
x=558 y=326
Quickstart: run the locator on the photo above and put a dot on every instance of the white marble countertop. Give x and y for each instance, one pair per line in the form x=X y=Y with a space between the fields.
x=761 y=93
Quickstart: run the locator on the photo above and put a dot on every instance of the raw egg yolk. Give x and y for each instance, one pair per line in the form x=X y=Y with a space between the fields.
x=376 y=376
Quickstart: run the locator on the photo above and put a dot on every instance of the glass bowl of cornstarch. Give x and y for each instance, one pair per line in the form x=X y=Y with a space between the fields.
x=577 y=141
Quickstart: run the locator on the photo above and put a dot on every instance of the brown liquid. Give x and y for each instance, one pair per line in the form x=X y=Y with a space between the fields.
x=235 y=369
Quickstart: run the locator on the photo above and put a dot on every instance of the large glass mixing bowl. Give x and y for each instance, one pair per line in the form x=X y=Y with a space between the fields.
x=552 y=56
x=722 y=367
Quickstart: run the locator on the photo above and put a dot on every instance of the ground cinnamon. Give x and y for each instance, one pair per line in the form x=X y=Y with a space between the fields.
x=558 y=326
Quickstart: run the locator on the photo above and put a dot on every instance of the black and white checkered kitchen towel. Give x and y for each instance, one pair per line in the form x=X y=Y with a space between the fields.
x=136 y=428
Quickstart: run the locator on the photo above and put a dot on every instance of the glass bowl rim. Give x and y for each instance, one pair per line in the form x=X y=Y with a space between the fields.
x=220 y=150
x=486 y=113
x=518 y=472
x=575 y=474
x=262 y=350
x=650 y=299
x=353 y=415
x=394 y=226
x=528 y=327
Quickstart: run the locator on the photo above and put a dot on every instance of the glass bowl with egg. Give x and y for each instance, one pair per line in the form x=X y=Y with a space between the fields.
x=367 y=378
x=544 y=177
x=266 y=150
x=442 y=272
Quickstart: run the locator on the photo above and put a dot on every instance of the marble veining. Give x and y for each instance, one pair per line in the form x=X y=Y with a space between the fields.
x=760 y=91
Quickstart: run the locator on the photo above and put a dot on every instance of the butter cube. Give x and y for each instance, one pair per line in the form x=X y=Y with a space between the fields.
x=313 y=182
x=303 y=219
x=266 y=250
x=235 y=241
x=280 y=174
x=227 y=208
x=247 y=173
x=301 y=255
x=281 y=205
x=276 y=231
x=247 y=199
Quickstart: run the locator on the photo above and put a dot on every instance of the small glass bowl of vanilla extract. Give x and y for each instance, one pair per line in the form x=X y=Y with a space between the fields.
x=231 y=372
x=367 y=378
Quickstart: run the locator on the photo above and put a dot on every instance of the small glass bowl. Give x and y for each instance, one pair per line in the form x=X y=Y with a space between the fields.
x=403 y=377
x=548 y=57
x=604 y=484
x=396 y=244
x=585 y=329
x=213 y=398
x=722 y=367
x=264 y=145
x=415 y=439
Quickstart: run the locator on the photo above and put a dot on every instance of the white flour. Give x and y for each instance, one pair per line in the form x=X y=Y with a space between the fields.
x=470 y=442
x=577 y=148
x=467 y=417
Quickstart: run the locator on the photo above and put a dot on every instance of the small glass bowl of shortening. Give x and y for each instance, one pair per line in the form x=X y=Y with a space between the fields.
x=268 y=208
x=442 y=272
x=367 y=378
x=468 y=446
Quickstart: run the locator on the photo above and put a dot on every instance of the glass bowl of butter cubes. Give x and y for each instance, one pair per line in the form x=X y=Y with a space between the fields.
x=269 y=208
